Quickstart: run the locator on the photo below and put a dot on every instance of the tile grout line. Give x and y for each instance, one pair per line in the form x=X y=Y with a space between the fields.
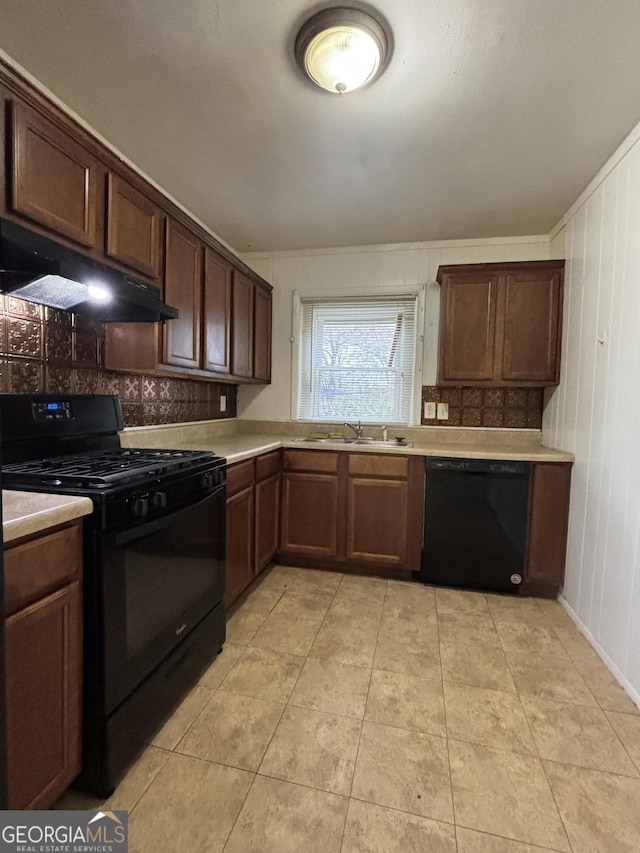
x=289 y=705
x=446 y=725
x=235 y=821
x=306 y=658
x=606 y=715
x=535 y=744
x=518 y=693
x=364 y=713
x=135 y=805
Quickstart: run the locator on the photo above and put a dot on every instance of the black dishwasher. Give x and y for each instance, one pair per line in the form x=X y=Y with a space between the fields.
x=475 y=527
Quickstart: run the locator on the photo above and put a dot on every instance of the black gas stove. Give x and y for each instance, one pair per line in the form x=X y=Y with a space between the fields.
x=154 y=563
x=106 y=470
x=71 y=445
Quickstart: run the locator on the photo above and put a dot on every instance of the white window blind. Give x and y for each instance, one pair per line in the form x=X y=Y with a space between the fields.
x=357 y=359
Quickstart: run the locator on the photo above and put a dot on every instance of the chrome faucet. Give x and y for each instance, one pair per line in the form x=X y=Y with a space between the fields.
x=357 y=430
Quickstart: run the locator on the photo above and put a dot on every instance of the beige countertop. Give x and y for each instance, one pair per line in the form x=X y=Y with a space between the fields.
x=479 y=450
x=24 y=513
x=236 y=448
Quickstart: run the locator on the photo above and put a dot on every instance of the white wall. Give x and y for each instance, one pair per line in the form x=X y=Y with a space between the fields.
x=374 y=268
x=595 y=412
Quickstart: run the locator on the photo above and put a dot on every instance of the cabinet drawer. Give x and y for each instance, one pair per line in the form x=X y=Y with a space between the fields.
x=378 y=465
x=267 y=465
x=311 y=460
x=39 y=566
x=239 y=476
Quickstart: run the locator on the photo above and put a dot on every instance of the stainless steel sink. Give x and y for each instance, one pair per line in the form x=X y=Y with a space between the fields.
x=376 y=442
x=364 y=441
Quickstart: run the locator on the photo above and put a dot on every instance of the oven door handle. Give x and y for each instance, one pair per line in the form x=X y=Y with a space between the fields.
x=164 y=521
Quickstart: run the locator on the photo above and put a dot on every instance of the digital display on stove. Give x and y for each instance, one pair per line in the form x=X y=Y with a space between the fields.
x=52 y=410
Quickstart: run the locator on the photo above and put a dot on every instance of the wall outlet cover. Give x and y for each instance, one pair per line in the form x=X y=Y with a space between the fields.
x=223 y=403
x=429 y=411
x=443 y=411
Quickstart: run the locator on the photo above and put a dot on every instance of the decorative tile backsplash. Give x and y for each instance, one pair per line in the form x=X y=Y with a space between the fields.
x=513 y=408
x=43 y=350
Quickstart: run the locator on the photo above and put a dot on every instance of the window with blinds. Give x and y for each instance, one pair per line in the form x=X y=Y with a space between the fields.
x=357 y=359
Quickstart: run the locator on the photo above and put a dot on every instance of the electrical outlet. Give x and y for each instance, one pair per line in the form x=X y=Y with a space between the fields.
x=223 y=402
x=443 y=412
x=429 y=411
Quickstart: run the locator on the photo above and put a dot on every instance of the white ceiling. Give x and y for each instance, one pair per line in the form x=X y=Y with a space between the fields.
x=490 y=119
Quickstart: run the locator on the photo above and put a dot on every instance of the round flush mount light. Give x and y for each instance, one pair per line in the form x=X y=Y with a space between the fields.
x=342 y=49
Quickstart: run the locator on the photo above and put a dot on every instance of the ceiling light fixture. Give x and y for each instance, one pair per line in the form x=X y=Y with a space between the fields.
x=342 y=49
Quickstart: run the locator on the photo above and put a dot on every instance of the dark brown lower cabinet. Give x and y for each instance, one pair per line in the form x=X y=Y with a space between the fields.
x=309 y=514
x=253 y=502
x=239 y=543
x=267 y=520
x=548 y=525
x=352 y=511
x=385 y=497
x=363 y=513
x=43 y=656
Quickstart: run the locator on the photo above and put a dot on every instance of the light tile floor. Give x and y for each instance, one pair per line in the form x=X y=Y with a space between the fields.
x=355 y=715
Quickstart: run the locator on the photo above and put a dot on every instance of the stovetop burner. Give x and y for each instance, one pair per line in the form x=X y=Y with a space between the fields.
x=103 y=468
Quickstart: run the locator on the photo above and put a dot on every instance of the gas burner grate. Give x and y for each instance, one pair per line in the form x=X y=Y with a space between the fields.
x=104 y=468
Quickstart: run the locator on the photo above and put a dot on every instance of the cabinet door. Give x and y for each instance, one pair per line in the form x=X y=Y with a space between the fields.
x=239 y=571
x=531 y=327
x=133 y=223
x=43 y=666
x=217 y=313
x=309 y=514
x=262 y=335
x=377 y=512
x=467 y=328
x=548 y=523
x=267 y=521
x=183 y=289
x=54 y=178
x=242 y=337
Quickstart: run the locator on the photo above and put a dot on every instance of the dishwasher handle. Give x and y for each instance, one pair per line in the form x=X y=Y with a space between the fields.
x=502 y=467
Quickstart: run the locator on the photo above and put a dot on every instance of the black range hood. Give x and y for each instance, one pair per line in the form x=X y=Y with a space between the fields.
x=39 y=270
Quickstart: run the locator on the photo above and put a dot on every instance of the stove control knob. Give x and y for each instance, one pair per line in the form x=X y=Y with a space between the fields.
x=208 y=480
x=140 y=506
x=159 y=500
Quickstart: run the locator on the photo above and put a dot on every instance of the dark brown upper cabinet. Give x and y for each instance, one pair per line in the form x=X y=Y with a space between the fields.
x=182 y=289
x=251 y=338
x=133 y=227
x=220 y=330
x=242 y=325
x=500 y=324
x=262 y=334
x=59 y=179
x=217 y=313
x=53 y=177
x=532 y=318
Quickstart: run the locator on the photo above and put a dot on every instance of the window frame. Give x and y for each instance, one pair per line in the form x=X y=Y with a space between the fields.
x=397 y=292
